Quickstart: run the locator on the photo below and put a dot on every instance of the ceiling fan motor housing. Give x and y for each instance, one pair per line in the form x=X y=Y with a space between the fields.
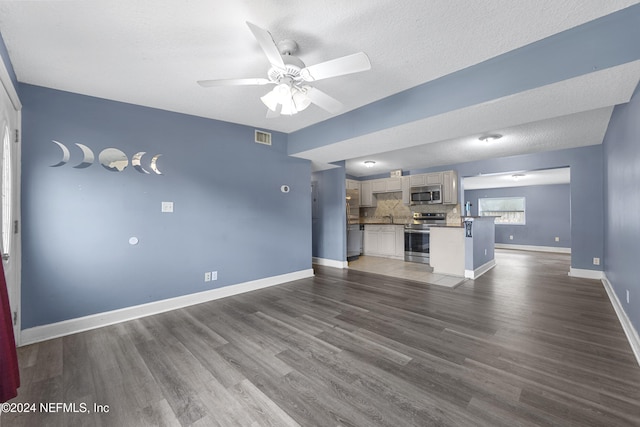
x=293 y=66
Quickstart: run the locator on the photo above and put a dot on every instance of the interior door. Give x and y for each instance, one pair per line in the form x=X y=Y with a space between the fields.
x=10 y=202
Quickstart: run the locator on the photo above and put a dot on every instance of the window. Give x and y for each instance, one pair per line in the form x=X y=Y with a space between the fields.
x=6 y=193
x=510 y=210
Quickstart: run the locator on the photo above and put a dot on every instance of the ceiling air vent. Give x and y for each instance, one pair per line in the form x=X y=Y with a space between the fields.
x=263 y=137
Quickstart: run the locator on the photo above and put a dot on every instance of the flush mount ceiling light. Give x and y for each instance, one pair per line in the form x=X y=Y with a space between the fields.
x=489 y=138
x=369 y=163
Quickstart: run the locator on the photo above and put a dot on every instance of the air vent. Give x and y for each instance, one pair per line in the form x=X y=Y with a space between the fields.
x=263 y=137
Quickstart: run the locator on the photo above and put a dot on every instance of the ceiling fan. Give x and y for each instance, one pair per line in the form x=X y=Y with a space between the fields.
x=291 y=76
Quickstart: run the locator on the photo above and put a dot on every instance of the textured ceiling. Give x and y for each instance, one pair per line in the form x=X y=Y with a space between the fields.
x=518 y=179
x=151 y=53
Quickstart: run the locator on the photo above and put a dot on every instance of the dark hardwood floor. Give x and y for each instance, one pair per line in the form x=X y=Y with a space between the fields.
x=525 y=344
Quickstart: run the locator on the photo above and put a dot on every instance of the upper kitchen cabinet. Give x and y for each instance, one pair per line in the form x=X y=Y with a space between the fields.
x=423 y=179
x=450 y=187
x=366 y=194
x=386 y=185
x=352 y=184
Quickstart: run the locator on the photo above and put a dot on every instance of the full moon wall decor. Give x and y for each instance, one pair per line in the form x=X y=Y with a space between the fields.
x=111 y=159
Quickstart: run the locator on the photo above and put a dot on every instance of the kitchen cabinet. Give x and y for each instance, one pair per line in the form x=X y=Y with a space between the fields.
x=406 y=190
x=423 y=179
x=419 y=180
x=433 y=178
x=379 y=186
x=384 y=240
x=386 y=185
x=394 y=184
x=366 y=194
x=352 y=184
x=450 y=187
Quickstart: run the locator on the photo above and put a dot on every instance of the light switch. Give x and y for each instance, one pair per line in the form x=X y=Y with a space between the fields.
x=167 y=206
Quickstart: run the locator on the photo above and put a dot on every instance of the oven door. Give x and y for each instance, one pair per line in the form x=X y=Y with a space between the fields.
x=416 y=245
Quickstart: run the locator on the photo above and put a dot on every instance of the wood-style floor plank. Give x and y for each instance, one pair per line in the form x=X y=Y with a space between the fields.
x=525 y=344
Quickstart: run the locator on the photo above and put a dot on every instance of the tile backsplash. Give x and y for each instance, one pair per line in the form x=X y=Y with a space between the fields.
x=391 y=204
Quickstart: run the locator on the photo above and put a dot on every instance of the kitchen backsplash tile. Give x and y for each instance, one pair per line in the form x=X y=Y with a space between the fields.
x=391 y=204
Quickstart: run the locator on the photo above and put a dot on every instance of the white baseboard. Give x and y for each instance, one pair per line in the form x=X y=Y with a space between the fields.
x=72 y=326
x=586 y=274
x=627 y=326
x=533 y=248
x=331 y=262
x=474 y=274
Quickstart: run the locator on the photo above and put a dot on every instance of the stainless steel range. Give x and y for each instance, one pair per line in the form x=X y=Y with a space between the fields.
x=416 y=235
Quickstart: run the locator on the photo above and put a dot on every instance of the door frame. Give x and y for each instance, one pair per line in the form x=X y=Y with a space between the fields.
x=14 y=279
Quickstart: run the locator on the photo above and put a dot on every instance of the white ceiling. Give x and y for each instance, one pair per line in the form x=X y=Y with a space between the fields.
x=518 y=179
x=151 y=53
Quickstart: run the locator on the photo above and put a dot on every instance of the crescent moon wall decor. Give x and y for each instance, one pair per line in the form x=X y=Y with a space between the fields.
x=88 y=158
x=113 y=159
x=65 y=154
x=154 y=164
x=136 y=162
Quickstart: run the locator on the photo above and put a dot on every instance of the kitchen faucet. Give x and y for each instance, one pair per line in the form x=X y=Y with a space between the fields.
x=390 y=216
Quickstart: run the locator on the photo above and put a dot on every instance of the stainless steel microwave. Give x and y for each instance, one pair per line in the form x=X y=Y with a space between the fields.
x=427 y=195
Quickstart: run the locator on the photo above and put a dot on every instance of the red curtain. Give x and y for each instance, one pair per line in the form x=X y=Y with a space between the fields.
x=9 y=373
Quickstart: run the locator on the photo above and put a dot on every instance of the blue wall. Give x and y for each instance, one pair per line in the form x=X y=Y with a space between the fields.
x=329 y=227
x=230 y=215
x=547 y=214
x=622 y=228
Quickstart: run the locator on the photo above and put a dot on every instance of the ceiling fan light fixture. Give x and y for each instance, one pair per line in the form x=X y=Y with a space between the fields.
x=300 y=99
x=369 y=163
x=517 y=176
x=288 y=107
x=271 y=100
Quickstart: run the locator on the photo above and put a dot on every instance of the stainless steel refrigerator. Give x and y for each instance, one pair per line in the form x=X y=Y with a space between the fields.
x=354 y=232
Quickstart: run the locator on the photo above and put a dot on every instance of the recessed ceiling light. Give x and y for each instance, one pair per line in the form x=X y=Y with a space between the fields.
x=489 y=138
x=369 y=163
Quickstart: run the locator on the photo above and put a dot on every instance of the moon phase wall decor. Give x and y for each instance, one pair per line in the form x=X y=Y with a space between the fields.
x=65 y=154
x=111 y=159
x=88 y=157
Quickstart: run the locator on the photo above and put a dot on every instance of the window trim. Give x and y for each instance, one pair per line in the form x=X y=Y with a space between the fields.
x=497 y=220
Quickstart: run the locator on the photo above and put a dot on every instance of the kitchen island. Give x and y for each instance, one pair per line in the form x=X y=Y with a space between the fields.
x=466 y=250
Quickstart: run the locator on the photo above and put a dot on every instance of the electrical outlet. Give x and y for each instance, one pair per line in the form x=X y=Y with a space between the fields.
x=214 y=275
x=596 y=261
x=511 y=237
x=207 y=276
x=627 y=296
x=557 y=239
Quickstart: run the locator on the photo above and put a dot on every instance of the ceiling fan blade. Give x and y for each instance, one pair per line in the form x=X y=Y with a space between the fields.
x=268 y=45
x=324 y=101
x=234 y=82
x=337 y=67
